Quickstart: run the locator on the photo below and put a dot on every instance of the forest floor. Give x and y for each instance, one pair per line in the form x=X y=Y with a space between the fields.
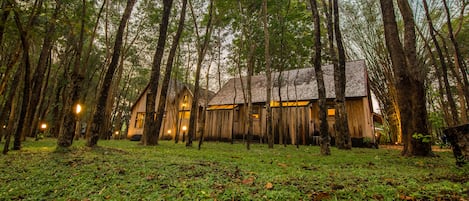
x=124 y=170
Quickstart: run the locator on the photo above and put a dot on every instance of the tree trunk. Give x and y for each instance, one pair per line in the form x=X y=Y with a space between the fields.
x=316 y=60
x=99 y=113
x=250 y=65
x=459 y=61
x=444 y=69
x=268 y=74
x=38 y=77
x=409 y=82
x=72 y=102
x=10 y=104
x=201 y=50
x=26 y=87
x=343 y=136
x=150 y=135
x=169 y=67
x=6 y=7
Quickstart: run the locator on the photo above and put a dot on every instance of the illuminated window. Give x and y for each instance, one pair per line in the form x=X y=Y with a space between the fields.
x=331 y=112
x=139 y=120
x=255 y=112
x=185 y=114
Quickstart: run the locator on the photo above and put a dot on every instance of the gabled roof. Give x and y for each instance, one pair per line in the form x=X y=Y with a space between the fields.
x=303 y=80
x=174 y=89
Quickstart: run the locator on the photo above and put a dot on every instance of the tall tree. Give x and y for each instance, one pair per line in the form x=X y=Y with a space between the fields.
x=26 y=87
x=443 y=68
x=316 y=60
x=169 y=66
x=38 y=77
x=99 y=113
x=73 y=101
x=268 y=75
x=249 y=112
x=202 y=47
x=458 y=59
x=150 y=135
x=343 y=136
x=409 y=79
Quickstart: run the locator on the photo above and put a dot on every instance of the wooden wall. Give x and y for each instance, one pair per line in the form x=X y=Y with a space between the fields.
x=176 y=116
x=299 y=123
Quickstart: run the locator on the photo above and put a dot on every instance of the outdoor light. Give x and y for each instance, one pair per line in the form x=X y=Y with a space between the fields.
x=184 y=128
x=4 y=126
x=117 y=132
x=43 y=126
x=169 y=131
x=78 y=109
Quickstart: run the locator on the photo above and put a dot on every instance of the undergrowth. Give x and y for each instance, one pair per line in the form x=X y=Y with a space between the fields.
x=124 y=170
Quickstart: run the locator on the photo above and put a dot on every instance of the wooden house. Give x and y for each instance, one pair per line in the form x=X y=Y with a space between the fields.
x=294 y=106
x=177 y=111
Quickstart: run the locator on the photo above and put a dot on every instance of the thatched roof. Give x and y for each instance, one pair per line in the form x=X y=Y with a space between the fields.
x=304 y=80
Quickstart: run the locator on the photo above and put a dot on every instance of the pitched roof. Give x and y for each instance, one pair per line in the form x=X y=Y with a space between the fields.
x=172 y=92
x=304 y=80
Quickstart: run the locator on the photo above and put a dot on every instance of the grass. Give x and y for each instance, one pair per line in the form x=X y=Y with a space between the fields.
x=124 y=170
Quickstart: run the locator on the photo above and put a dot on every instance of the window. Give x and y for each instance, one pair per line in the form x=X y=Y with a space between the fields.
x=139 y=120
x=330 y=112
x=184 y=114
x=255 y=112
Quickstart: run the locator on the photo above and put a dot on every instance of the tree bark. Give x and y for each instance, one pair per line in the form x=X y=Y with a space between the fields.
x=99 y=113
x=343 y=136
x=69 y=123
x=459 y=61
x=454 y=120
x=268 y=74
x=169 y=67
x=409 y=82
x=26 y=87
x=6 y=7
x=150 y=135
x=201 y=50
x=38 y=77
x=249 y=94
x=10 y=105
x=316 y=60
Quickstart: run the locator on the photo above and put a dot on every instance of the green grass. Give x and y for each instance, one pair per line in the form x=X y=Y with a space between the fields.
x=124 y=170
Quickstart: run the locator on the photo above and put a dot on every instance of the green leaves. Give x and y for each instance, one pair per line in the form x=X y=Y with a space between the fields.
x=422 y=137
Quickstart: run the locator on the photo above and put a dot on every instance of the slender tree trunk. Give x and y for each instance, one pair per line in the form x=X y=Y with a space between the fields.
x=38 y=77
x=26 y=87
x=459 y=61
x=343 y=135
x=169 y=67
x=252 y=48
x=99 y=113
x=316 y=60
x=10 y=104
x=204 y=112
x=202 y=49
x=268 y=74
x=6 y=7
x=150 y=135
x=72 y=102
x=444 y=69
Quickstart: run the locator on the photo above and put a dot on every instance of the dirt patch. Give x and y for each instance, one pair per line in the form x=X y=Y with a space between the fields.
x=435 y=148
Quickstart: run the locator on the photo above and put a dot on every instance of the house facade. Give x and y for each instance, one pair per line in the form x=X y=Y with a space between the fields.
x=177 y=111
x=294 y=105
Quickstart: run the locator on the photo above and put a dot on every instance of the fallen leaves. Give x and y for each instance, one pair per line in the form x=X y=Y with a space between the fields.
x=268 y=186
